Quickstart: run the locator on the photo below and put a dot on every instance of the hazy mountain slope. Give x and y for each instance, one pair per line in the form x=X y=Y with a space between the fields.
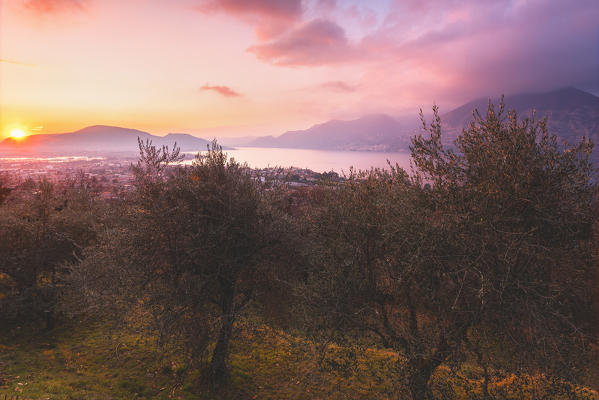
x=100 y=138
x=372 y=132
x=571 y=113
x=185 y=141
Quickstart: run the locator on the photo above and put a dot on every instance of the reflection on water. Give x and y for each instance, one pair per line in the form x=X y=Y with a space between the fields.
x=316 y=160
x=51 y=159
x=257 y=157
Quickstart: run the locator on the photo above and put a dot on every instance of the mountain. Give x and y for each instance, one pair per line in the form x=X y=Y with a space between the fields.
x=99 y=138
x=571 y=113
x=185 y=141
x=377 y=132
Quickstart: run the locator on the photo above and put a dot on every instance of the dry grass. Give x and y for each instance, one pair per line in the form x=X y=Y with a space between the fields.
x=89 y=362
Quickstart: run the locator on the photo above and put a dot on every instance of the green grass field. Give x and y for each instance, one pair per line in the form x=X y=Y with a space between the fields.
x=88 y=362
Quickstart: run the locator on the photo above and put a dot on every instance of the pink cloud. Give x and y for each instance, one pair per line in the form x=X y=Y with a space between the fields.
x=531 y=46
x=478 y=49
x=314 y=43
x=448 y=52
x=222 y=90
x=338 y=86
x=269 y=17
x=326 y=5
x=290 y=9
x=52 y=6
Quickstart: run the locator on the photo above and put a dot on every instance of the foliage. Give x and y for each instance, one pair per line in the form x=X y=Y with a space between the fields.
x=4 y=188
x=496 y=254
x=471 y=278
x=41 y=226
x=523 y=206
x=192 y=253
x=377 y=270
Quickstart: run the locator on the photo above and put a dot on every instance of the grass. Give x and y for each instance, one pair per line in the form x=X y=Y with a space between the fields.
x=88 y=362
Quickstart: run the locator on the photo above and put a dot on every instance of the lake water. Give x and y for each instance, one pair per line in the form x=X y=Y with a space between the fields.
x=60 y=159
x=316 y=160
x=258 y=157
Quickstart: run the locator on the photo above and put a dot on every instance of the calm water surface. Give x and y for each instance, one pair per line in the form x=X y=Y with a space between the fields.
x=316 y=160
x=61 y=159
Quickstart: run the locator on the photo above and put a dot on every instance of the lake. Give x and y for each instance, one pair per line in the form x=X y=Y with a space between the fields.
x=316 y=160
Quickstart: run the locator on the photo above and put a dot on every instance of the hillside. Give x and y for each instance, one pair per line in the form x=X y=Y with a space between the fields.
x=99 y=138
x=378 y=132
x=571 y=114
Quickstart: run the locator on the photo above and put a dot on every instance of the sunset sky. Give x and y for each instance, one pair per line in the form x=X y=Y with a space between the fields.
x=260 y=67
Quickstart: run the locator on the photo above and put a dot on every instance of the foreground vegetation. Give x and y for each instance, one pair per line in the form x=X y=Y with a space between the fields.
x=90 y=361
x=472 y=277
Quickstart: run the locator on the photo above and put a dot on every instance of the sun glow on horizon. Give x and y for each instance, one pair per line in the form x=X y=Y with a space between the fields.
x=17 y=133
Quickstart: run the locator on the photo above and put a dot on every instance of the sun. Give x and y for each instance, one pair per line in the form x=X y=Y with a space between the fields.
x=17 y=133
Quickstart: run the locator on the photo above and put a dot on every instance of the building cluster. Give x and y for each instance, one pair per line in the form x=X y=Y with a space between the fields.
x=108 y=172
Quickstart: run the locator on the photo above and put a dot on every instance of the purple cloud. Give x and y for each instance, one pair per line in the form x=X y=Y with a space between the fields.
x=314 y=43
x=222 y=90
x=505 y=46
x=338 y=86
x=451 y=51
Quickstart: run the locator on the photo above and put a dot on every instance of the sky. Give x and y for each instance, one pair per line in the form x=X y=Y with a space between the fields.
x=218 y=68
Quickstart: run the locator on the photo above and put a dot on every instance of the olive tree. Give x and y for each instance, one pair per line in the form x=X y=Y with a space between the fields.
x=486 y=251
x=191 y=252
x=379 y=268
x=525 y=204
x=40 y=230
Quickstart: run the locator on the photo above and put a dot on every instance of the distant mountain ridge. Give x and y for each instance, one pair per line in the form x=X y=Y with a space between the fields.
x=571 y=113
x=100 y=138
x=378 y=132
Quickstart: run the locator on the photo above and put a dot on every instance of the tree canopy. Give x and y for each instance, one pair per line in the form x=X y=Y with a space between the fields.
x=487 y=250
